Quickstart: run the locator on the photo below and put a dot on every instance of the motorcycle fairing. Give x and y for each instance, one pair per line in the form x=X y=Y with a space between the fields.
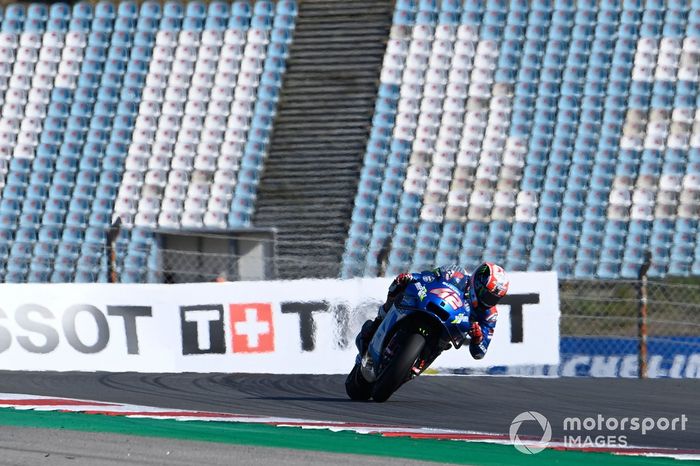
x=418 y=298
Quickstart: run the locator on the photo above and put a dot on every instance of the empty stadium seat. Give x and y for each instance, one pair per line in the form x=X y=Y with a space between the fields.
x=113 y=86
x=592 y=129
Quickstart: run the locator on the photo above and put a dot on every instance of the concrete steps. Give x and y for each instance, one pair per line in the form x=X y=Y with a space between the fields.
x=310 y=177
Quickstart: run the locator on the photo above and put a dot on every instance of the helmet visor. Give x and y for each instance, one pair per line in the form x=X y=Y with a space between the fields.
x=483 y=295
x=487 y=298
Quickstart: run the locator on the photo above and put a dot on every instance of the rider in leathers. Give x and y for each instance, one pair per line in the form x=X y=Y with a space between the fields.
x=483 y=289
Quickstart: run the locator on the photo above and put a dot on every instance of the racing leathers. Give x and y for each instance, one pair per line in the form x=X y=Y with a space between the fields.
x=482 y=318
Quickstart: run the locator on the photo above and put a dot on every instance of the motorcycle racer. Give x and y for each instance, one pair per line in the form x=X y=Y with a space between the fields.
x=483 y=289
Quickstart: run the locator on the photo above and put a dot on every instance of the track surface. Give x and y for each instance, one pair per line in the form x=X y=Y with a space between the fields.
x=51 y=447
x=486 y=404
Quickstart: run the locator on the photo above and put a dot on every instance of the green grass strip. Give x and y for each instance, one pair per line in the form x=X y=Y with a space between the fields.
x=444 y=451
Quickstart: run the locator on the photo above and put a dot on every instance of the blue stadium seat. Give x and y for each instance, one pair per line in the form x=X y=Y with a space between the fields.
x=86 y=276
x=39 y=272
x=49 y=234
x=17 y=179
x=241 y=8
x=11 y=207
x=125 y=27
x=64 y=274
x=15 y=12
x=37 y=12
x=76 y=219
x=66 y=255
x=53 y=217
x=144 y=35
x=173 y=9
x=31 y=213
x=169 y=23
x=196 y=9
x=37 y=192
x=216 y=23
x=79 y=205
x=264 y=8
x=192 y=24
x=105 y=9
x=150 y=9
x=239 y=22
x=77 y=24
x=60 y=11
x=284 y=22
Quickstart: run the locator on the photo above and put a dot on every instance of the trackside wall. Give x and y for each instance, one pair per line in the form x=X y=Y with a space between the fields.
x=304 y=326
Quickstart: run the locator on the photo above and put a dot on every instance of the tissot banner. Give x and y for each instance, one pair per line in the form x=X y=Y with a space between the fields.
x=303 y=326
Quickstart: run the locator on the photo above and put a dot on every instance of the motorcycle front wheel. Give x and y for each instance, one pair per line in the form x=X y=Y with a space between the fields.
x=356 y=386
x=397 y=371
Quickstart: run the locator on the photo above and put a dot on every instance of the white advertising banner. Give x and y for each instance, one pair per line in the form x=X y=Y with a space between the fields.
x=302 y=326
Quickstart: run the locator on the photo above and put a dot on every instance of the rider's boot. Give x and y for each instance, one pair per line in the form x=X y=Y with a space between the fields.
x=368 y=329
x=366 y=334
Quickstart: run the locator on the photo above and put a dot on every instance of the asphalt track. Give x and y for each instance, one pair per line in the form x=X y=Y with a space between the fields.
x=485 y=404
x=33 y=447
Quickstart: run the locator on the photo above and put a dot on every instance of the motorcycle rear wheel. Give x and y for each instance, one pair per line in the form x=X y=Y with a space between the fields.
x=397 y=371
x=356 y=386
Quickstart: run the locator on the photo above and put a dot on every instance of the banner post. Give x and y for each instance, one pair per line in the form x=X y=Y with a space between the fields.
x=642 y=315
x=112 y=236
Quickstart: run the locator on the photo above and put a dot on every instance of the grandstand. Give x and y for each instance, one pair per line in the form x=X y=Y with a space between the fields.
x=159 y=114
x=542 y=135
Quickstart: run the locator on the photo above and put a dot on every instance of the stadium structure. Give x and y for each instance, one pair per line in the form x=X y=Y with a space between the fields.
x=541 y=135
x=255 y=142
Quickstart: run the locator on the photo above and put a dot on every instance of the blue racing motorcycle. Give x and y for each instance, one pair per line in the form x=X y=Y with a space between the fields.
x=430 y=317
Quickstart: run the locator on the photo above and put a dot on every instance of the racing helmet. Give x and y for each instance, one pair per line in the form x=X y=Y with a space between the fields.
x=488 y=284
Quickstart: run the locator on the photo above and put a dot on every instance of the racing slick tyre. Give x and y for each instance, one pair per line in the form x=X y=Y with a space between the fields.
x=397 y=371
x=356 y=386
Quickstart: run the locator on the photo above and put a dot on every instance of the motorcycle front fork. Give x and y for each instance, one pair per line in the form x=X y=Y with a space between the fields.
x=426 y=360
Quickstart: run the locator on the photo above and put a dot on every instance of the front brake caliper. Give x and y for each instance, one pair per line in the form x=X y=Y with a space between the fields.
x=418 y=368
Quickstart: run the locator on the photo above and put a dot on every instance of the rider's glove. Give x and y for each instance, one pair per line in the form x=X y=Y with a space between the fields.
x=475 y=333
x=399 y=284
